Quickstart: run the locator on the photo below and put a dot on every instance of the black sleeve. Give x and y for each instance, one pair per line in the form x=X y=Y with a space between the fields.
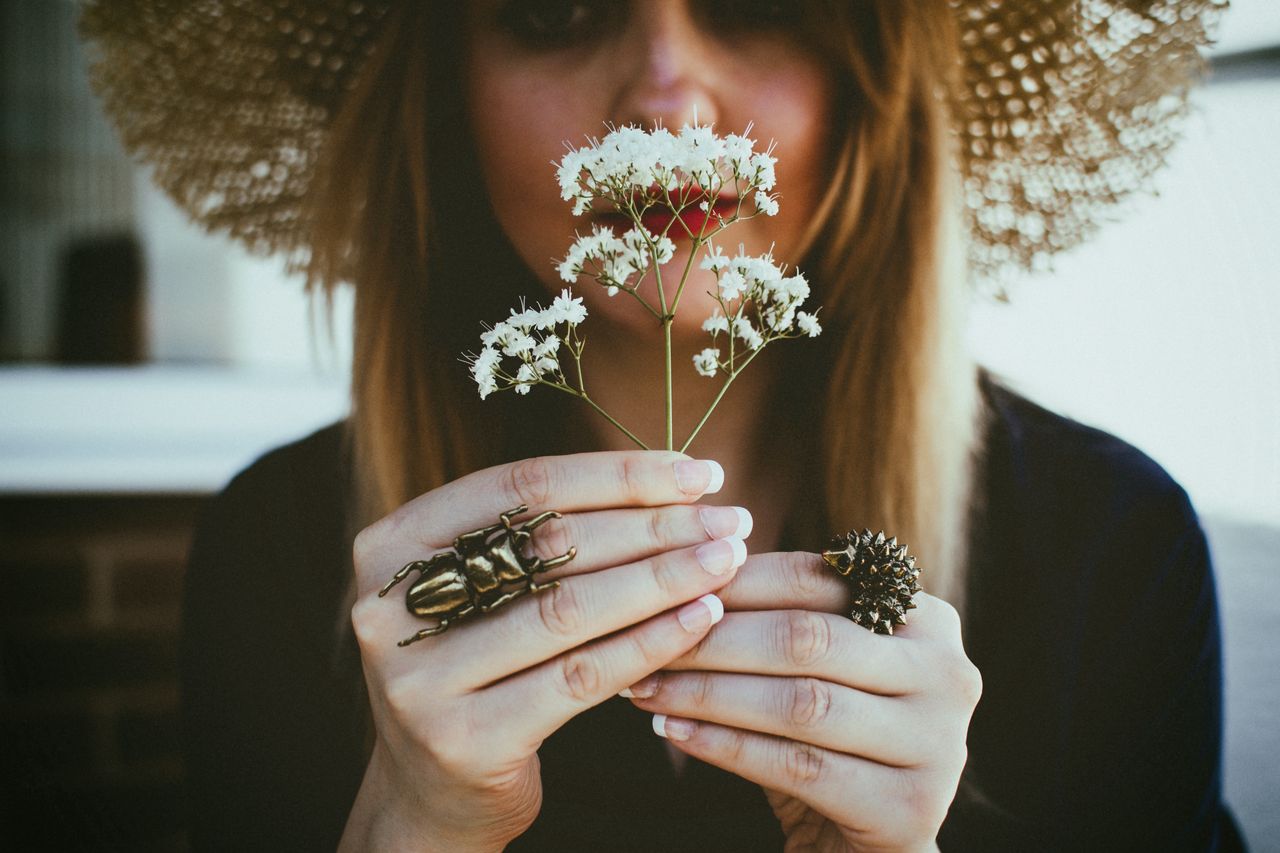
x=1144 y=752
x=260 y=683
x=1094 y=621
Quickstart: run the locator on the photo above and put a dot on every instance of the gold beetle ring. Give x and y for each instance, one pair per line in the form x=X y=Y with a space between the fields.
x=486 y=569
x=882 y=578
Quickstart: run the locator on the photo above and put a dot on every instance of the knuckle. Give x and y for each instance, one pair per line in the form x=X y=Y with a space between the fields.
x=806 y=638
x=810 y=702
x=560 y=611
x=631 y=477
x=804 y=764
x=735 y=748
x=973 y=683
x=701 y=689
x=447 y=739
x=556 y=538
x=531 y=481
x=963 y=678
x=666 y=576
x=364 y=624
x=580 y=678
x=400 y=701
x=805 y=582
x=662 y=528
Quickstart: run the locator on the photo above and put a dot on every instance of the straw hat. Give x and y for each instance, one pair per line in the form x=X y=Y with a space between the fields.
x=1066 y=108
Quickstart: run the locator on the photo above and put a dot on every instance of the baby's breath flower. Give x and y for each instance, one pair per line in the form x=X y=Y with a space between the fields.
x=569 y=309
x=716 y=323
x=531 y=340
x=808 y=323
x=707 y=361
x=766 y=204
x=743 y=329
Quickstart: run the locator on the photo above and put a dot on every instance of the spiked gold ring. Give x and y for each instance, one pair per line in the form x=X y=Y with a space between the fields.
x=882 y=578
x=486 y=569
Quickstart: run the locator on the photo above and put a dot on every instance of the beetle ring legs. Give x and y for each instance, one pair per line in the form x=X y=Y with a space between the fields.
x=486 y=569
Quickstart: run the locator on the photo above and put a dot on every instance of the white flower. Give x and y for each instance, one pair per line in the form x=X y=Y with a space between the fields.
x=707 y=361
x=550 y=346
x=716 y=323
x=518 y=343
x=546 y=364
x=715 y=260
x=496 y=335
x=732 y=284
x=737 y=153
x=808 y=324
x=766 y=204
x=568 y=309
x=629 y=161
x=743 y=329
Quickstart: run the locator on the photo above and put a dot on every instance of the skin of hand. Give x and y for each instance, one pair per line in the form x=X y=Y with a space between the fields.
x=459 y=716
x=857 y=738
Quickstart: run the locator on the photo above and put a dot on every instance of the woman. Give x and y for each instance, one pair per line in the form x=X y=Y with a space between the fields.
x=1076 y=565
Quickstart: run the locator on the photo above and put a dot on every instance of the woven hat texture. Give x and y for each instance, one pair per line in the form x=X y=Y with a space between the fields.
x=1066 y=108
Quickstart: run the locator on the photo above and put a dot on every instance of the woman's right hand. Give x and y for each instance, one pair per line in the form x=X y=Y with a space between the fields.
x=460 y=716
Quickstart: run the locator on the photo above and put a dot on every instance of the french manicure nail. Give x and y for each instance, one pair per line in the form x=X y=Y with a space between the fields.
x=698 y=616
x=699 y=476
x=673 y=729
x=721 y=555
x=722 y=521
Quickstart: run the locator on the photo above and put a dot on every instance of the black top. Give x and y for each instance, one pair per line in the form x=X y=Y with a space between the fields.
x=1092 y=618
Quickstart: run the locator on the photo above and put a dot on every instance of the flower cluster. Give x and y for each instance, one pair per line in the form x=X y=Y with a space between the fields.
x=635 y=169
x=752 y=288
x=613 y=261
x=531 y=338
x=655 y=179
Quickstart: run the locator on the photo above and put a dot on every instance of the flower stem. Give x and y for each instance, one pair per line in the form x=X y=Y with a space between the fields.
x=716 y=401
x=666 y=319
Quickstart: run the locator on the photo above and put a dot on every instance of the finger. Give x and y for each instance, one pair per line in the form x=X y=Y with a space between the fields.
x=546 y=624
x=805 y=709
x=585 y=481
x=784 y=580
x=612 y=537
x=851 y=791
x=804 y=642
x=800 y=580
x=540 y=700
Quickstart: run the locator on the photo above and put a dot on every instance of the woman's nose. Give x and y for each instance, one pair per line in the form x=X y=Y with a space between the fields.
x=667 y=68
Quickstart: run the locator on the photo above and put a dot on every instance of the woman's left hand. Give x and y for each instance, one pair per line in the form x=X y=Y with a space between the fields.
x=857 y=738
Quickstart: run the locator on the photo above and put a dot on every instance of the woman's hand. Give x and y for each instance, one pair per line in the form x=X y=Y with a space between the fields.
x=459 y=716
x=857 y=738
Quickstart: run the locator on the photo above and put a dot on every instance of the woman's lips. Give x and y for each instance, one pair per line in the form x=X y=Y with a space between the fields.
x=657 y=219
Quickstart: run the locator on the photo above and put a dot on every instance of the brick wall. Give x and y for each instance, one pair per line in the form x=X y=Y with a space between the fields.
x=88 y=660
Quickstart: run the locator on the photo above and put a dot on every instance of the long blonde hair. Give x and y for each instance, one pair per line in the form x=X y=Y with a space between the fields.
x=896 y=391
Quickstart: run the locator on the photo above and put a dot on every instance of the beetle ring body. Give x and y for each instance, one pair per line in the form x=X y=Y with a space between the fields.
x=485 y=570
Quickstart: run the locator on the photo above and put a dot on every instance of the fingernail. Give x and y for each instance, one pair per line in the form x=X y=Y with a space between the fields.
x=722 y=521
x=674 y=729
x=642 y=689
x=698 y=616
x=721 y=555
x=699 y=476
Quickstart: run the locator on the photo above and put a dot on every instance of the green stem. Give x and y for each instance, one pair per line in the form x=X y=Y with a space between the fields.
x=716 y=401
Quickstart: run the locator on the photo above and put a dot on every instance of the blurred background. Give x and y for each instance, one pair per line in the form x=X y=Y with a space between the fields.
x=142 y=363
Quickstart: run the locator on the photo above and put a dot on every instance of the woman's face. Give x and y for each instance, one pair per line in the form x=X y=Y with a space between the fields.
x=543 y=73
